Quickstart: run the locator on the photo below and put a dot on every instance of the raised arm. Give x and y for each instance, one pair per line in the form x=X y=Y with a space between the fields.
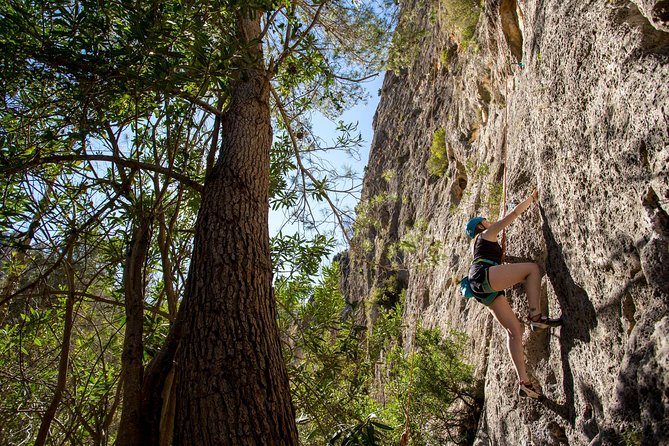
x=495 y=228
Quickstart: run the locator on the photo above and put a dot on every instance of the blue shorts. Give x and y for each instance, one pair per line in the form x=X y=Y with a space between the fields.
x=478 y=280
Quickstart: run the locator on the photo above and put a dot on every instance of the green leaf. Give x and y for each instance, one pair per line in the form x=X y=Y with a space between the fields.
x=385 y=427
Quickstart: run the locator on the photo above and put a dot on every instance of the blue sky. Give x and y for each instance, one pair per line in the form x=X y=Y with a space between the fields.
x=363 y=114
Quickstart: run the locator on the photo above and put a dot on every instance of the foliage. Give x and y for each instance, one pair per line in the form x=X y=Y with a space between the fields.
x=493 y=199
x=323 y=76
x=29 y=345
x=110 y=119
x=388 y=175
x=438 y=162
x=476 y=170
x=461 y=17
x=631 y=436
x=367 y=433
x=326 y=360
x=296 y=255
x=445 y=398
x=416 y=248
x=386 y=330
x=493 y=189
x=389 y=293
x=444 y=382
x=368 y=211
x=406 y=41
x=444 y=56
x=350 y=383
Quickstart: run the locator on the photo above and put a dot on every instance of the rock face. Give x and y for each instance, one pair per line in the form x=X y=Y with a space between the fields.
x=571 y=98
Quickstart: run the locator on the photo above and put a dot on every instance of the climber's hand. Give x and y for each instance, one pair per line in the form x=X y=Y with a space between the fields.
x=535 y=196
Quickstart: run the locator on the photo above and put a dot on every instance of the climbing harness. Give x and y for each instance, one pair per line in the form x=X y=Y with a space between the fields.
x=465 y=286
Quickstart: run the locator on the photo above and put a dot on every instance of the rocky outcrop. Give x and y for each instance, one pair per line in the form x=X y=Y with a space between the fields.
x=570 y=98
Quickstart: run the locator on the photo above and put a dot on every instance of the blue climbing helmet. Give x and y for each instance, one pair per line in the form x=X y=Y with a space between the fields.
x=471 y=226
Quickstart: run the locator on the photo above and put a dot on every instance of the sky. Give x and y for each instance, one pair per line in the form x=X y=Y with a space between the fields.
x=363 y=114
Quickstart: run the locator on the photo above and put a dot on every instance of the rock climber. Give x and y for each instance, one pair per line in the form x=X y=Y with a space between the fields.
x=488 y=278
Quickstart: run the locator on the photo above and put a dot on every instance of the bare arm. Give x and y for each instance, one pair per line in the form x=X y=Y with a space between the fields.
x=497 y=227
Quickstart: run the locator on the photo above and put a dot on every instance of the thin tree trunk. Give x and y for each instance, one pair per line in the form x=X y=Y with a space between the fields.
x=158 y=391
x=130 y=428
x=231 y=382
x=164 y=243
x=61 y=381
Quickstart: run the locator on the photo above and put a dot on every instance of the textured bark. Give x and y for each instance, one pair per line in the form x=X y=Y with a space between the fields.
x=61 y=381
x=130 y=428
x=164 y=243
x=158 y=392
x=231 y=382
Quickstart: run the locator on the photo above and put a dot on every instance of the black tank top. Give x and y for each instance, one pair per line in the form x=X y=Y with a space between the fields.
x=485 y=249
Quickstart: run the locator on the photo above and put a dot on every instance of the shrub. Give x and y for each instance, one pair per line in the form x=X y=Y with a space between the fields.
x=494 y=197
x=443 y=57
x=631 y=437
x=446 y=398
x=438 y=162
x=367 y=211
x=461 y=16
x=388 y=175
x=406 y=42
x=389 y=294
x=350 y=382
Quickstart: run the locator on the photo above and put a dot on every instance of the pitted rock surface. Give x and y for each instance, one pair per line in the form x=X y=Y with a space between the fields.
x=572 y=98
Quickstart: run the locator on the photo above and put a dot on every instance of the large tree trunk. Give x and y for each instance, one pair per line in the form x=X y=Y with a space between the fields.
x=231 y=382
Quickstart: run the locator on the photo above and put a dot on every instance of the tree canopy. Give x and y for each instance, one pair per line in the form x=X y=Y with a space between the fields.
x=113 y=120
x=141 y=147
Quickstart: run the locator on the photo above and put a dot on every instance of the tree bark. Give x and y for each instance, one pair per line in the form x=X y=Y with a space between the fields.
x=63 y=362
x=130 y=427
x=231 y=381
x=164 y=243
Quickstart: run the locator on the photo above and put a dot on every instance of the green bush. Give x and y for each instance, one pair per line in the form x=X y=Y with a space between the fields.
x=443 y=56
x=438 y=162
x=389 y=294
x=350 y=383
x=494 y=198
x=493 y=194
x=367 y=211
x=446 y=399
x=631 y=436
x=406 y=42
x=461 y=17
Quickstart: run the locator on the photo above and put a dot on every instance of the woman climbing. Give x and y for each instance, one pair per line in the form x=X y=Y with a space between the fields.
x=488 y=279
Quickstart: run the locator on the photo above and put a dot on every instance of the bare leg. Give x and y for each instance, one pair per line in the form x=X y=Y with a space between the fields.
x=502 y=277
x=502 y=311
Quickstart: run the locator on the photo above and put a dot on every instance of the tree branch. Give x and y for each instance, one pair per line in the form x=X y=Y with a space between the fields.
x=104 y=300
x=55 y=159
x=304 y=170
x=197 y=101
x=289 y=49
x=68 y=243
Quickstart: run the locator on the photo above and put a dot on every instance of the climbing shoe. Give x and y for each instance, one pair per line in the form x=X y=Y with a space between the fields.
x=528 y=390
x=541 y=322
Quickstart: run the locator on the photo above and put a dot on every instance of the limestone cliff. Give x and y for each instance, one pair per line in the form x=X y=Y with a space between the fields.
x=570 y=97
